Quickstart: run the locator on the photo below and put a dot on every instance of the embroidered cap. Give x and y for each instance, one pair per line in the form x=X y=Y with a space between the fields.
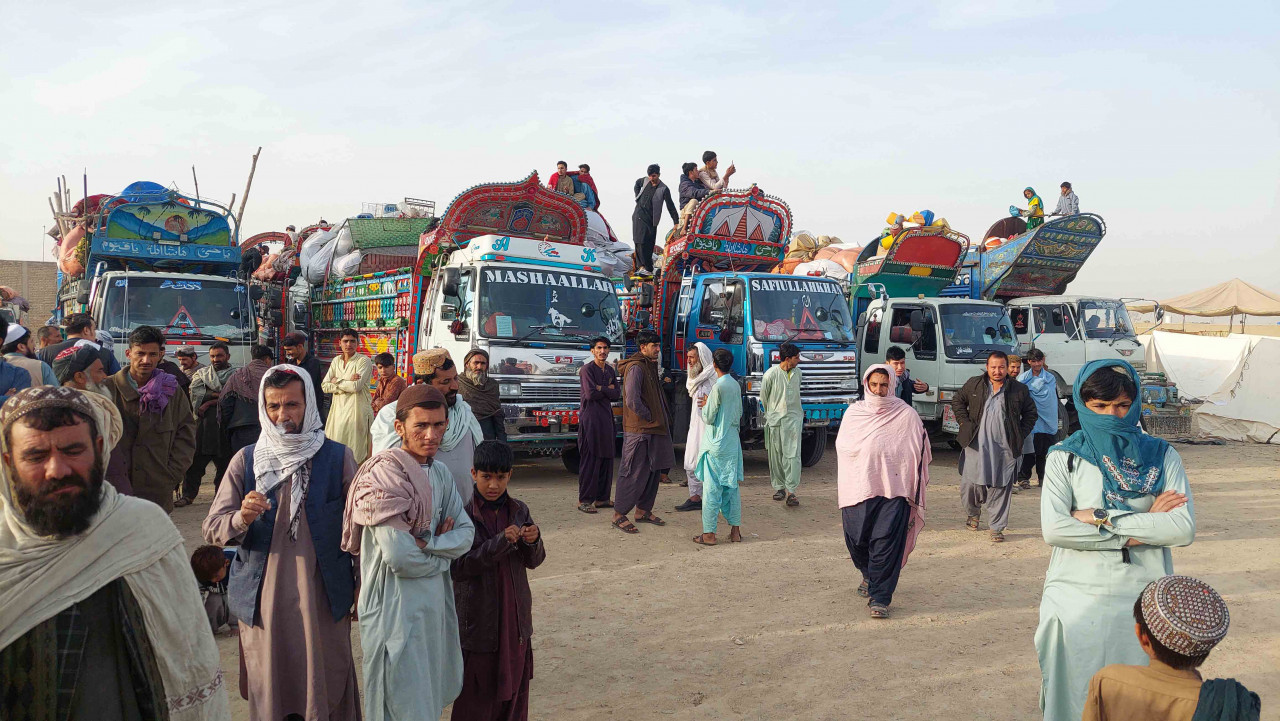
x=426 y=362
x=33 y=399
x=1185 y=614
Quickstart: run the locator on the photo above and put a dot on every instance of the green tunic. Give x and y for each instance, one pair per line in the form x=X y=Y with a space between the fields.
x=784 y=422
x=720 y=455
x=1086 y=612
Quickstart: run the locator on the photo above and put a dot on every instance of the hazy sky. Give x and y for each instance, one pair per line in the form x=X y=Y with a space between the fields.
x=1165 y=117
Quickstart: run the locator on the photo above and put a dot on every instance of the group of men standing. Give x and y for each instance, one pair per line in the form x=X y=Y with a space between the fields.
x=713 y=448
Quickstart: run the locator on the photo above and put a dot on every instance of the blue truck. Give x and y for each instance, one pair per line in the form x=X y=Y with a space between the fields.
x=152 y=256
x=715 y=288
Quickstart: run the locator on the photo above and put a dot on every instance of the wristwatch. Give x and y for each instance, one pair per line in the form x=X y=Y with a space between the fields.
x=1099 y=517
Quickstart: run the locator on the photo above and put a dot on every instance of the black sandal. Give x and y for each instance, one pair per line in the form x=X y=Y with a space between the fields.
x=779 y=495
x=625 y=525
x=586 y=508
x=878 y=610
x=700 y=539
x=650 y=518
x=864 y=590
x=792 y=501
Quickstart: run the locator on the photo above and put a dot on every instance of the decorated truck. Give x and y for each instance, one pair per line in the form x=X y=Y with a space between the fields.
x=1029 y=272
x=503 y=269
x=152 y=256
x=716 y=287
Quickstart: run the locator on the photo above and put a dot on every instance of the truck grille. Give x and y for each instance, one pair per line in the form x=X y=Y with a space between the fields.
x=544 y=392
x=826 y=378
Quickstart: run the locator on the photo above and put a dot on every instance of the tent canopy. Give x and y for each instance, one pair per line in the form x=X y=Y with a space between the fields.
x=1233 y=297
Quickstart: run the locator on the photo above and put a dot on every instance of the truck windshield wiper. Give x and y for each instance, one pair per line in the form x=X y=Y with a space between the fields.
x=539 y=328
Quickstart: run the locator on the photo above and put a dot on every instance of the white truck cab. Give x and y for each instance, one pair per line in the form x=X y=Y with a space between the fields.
x=1072 y=330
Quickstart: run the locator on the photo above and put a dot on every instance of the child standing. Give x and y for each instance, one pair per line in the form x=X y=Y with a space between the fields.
x=210 y=565
x=1179 y=621
x=491 y=588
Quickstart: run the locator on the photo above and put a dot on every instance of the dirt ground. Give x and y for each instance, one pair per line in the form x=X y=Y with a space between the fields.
x=654 y=626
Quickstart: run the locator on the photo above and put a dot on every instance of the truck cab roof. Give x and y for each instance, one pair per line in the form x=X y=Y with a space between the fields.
x=163 y=274
x=1033 y=299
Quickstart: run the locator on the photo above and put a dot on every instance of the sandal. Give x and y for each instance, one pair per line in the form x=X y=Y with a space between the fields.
x=586 y=508
x=779 y=495
x=878 y=610
x=1025 y=484
x=625 y=525
x=700 y=539
x=792 y=501
x=864 y=590
x=650 y=518
x=181 y=501
x=735 y=535
x=997 y=536
x=972 y=523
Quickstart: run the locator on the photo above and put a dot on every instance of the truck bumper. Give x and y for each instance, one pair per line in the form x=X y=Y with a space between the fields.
x=543 y=427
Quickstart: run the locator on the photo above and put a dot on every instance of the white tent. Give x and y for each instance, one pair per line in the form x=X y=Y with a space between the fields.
x=1246 y=406
x=1197 y=364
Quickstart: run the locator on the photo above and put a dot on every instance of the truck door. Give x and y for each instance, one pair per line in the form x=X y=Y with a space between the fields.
x=915 y=331
x=1057 y=335
x=721 y=316
x=1020 y=316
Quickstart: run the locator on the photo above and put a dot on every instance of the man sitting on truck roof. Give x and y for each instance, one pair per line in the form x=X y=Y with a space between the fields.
x=708 y=174
x=692 y=189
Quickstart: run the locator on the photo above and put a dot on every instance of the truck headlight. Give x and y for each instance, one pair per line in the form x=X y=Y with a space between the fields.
x=509 y=390
x=946 y=395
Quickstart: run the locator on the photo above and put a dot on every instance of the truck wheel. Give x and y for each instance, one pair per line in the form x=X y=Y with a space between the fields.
x=570 y=457
x=812 y=446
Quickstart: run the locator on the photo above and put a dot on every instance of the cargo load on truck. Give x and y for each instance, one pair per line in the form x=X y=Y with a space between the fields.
x=912 y=260
x=1013 y=262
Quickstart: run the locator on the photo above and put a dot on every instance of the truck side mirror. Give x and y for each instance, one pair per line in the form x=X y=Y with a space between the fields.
x=452 y=280
x=642 y=318
x=1159 y=314
x=255 y=293
x=300 y=315
x=916 y=319
x=862 y=319
x=645 y=299
x=83 y=297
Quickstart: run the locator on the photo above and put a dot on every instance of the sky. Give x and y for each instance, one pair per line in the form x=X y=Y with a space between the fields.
x=1166 y=118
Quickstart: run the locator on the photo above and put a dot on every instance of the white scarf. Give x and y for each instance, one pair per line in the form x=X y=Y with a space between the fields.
x=707 y=376
x=461 y=421
x=281 y=456
x=41 y=576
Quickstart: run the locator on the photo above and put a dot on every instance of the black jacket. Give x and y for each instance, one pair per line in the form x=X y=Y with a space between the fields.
x=1019 y=411
x=311 y=364
x=692 y=190
x=476 y=580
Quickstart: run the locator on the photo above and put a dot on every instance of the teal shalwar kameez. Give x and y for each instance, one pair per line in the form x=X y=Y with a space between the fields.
x=720 y=457
x=1086 y=612
x=784 y=422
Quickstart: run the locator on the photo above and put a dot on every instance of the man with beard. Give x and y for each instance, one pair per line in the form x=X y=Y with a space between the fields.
x=238 y=401
x=98 y=615
x=188 y=361
x=81 y=368
x=80 y=327
x=481 y=393
x=646 y=437
x=12 y=378
x=405 y=519
x=292 y=587
x=18 y=351
x=159 y=428
x=211 y=442
x=435 y=367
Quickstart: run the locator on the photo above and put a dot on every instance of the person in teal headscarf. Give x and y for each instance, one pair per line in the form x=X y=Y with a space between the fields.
x=1115 y=501
x=1035 y=208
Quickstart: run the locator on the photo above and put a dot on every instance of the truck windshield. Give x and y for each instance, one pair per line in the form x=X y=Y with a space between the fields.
x=547 y=305
x=973 y=330
x=799 y=309
x=179 y=307
x=1103 y=318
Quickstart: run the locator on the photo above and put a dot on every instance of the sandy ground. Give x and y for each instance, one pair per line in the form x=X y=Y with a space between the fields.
x=654 y=626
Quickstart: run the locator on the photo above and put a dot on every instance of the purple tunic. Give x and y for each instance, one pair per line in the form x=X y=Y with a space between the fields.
x=595 y=421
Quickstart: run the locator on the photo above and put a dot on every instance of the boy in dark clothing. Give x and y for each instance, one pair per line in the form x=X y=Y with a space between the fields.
x=210 y=564
x=491 y=588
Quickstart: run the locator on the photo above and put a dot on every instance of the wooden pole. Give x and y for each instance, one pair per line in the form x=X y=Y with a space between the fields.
x=248 y=184
x=196 y=180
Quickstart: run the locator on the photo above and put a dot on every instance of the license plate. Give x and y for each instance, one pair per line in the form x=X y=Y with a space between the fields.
x=949 y=423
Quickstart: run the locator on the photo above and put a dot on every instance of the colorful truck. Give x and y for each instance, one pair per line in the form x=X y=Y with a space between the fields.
x=503 y=269
x=716 y=288
x=152 y=256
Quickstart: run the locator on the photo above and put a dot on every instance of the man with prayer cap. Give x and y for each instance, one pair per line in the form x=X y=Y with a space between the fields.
x=406 y=520
x=481 y=393
x=18 y=351
x=1179 y=620
x=99 y=618
x=291 y=586
x=351 y=410
x=188 y=361
x=435 y=367
x=81 y=368
x=12 y=378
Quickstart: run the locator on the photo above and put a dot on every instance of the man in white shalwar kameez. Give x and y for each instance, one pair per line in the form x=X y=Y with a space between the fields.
x=406 y=521
x=698 y=381
x=351 y=411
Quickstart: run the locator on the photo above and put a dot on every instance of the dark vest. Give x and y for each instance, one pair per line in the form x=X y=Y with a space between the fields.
x=650 y=394
x=324 y=504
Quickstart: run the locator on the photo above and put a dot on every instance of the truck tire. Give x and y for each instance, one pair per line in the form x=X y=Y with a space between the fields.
x=570 y=457
x=812 y=445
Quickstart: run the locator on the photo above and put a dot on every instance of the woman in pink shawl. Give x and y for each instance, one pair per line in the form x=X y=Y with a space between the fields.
x=883 y=455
